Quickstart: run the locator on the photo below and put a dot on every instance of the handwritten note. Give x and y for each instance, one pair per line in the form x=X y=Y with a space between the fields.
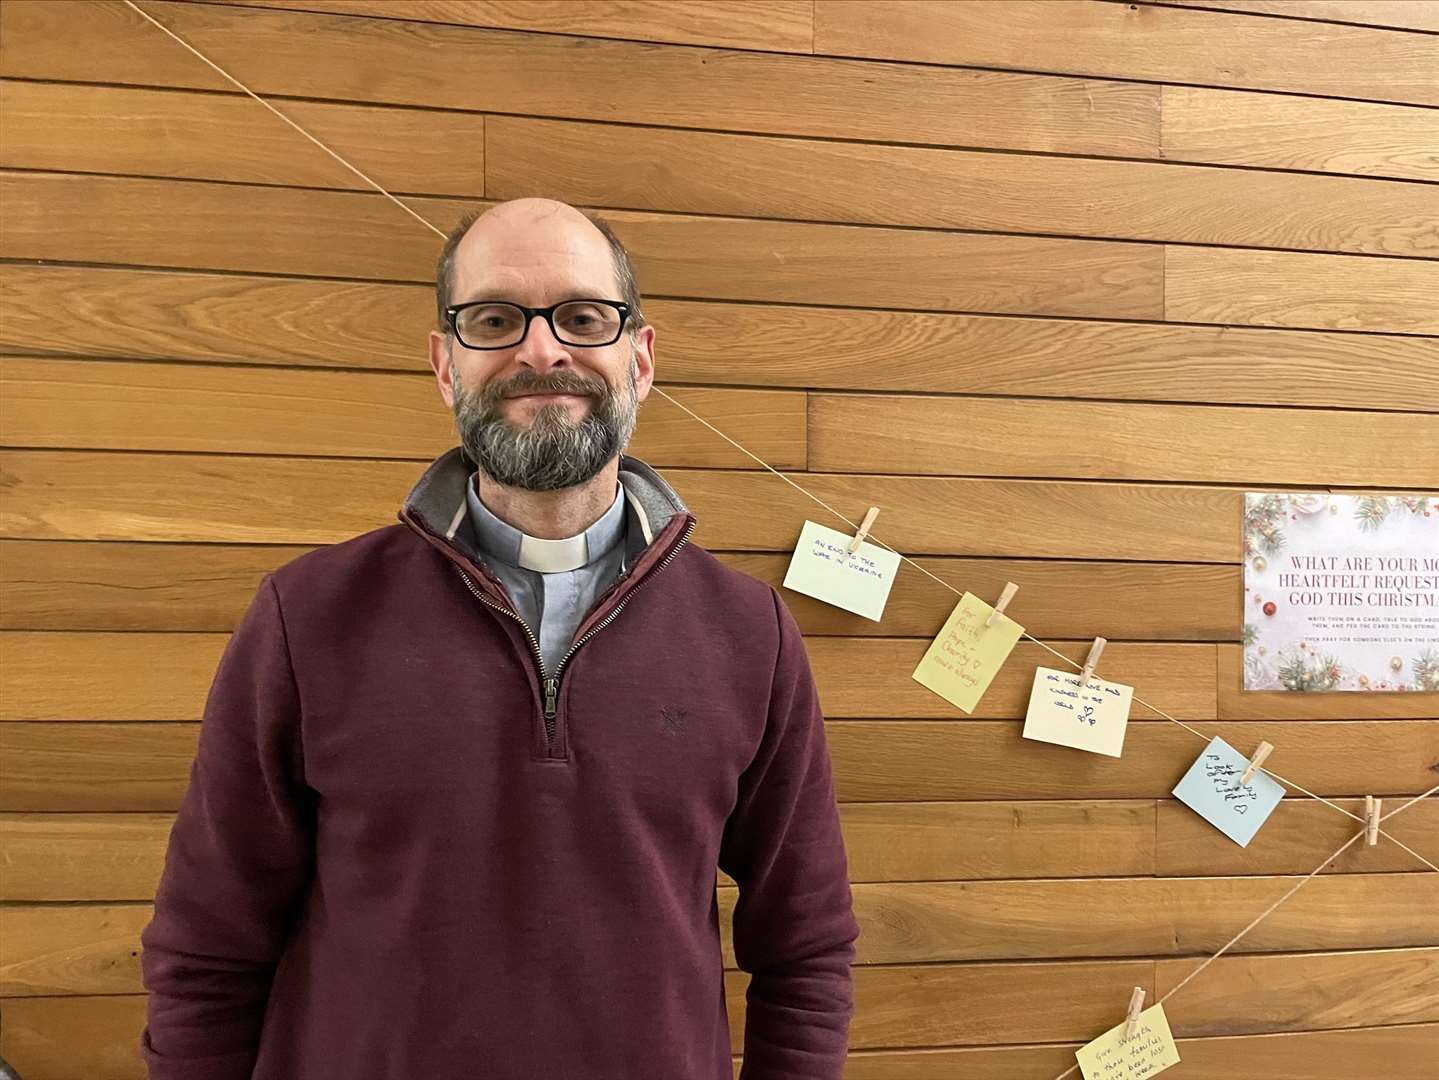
x=962 y=660
x=1209 y=789
x=1093 y=718
x=822 y=567
x=1149 y=1051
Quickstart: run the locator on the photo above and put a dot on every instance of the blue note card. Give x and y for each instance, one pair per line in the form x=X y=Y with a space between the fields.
x=1209 y=789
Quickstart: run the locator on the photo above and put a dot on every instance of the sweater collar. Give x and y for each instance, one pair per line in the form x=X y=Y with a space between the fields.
x=438 y=503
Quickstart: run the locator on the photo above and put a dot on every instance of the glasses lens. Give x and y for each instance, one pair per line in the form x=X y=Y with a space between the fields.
x=490 y=325
x=587 y=322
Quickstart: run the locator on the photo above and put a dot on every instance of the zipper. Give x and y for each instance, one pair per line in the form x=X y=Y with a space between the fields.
x=550 y=681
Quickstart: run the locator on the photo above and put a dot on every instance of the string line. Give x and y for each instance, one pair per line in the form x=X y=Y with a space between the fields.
x=1239 y=936
x=854 y=527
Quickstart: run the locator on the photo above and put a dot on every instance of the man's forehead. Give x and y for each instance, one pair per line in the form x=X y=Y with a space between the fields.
x=555 y=254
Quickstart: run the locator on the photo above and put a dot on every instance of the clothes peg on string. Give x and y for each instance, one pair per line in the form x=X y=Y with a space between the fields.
x=1371 y=819
x=864 y=527
x=1136 y=1006
x=1265 y=749
x=1010 y=588
x=1091 y=661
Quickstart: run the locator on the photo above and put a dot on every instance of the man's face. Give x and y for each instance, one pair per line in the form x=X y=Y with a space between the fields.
x=541 y=415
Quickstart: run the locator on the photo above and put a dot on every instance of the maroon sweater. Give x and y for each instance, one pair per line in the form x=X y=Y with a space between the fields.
x=397 y=860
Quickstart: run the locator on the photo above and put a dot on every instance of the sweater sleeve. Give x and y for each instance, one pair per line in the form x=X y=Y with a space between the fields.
x=794 y=926
x=240 y=854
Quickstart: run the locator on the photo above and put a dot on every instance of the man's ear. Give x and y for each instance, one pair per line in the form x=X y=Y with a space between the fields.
x=440 y=361
x=644 y=361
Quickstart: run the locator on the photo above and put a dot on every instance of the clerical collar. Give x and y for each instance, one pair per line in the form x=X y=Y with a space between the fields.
x=505 y=542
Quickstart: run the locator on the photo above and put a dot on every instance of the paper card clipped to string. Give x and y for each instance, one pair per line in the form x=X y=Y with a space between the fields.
x=1210 y=789
x=1151 y=1050
x=822 y=567
x=1093 y=719
x=962 y=660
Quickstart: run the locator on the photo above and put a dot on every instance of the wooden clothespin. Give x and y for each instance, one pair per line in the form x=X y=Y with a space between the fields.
x=1091 y=661
x=1371 y=819
x=863 y=530
x=1136 y=1006
x=1010 y=588
x=1257 y=760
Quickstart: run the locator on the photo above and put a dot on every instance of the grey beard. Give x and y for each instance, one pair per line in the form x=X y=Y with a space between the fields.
x=553 y=452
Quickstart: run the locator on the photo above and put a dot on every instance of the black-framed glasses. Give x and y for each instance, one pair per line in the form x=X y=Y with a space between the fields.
x=498 y=324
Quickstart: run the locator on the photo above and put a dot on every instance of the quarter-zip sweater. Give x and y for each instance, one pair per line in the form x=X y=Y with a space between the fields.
x=401 y=855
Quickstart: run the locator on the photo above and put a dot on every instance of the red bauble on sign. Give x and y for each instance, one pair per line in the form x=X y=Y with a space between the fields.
x=1269 y=607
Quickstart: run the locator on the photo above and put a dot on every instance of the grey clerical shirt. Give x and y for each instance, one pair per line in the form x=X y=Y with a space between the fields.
x=553 y=583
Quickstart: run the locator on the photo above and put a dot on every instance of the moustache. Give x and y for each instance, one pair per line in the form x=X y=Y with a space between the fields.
x=579 y=387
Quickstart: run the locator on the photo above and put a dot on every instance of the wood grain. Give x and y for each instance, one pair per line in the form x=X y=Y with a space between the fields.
x=1138 y=41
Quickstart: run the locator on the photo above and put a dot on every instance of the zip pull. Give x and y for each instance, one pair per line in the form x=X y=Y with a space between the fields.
x=552 y=689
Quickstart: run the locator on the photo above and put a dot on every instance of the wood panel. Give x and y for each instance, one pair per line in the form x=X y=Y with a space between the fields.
x=1282 y=288
x=775 y=25
x=1138 y=41
x=1296 y=838
x=147 y=314
x=1185 y=443
x=982 y=921
x=119 y=495
x=917 y=761
x=593 y=164
x=1250 y=994
x=388 y=61
x=128 y=585
x=1403 y=14
x=115 y=129
x=979 y=1004
x=209 y=409
x=1283 y=131
x=1407 y=1053
x=62 y=767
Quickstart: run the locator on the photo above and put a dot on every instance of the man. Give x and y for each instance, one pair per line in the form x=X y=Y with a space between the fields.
x=463 y=782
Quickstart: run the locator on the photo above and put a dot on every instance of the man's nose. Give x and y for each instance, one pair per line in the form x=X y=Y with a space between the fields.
x=541 y=350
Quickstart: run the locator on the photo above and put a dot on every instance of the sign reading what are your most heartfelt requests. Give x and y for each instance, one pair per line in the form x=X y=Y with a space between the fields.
x=1341 y=592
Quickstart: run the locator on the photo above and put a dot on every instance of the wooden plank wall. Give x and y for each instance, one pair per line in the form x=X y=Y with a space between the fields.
x=1051 y=283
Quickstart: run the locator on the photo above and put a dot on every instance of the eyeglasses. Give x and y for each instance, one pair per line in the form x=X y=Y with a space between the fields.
x=497 y=324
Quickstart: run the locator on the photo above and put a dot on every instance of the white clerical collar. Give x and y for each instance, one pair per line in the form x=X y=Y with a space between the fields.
x=509 y=544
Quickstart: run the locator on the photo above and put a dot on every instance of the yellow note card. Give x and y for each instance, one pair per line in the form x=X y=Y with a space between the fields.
x=1093 y=718
x=963 y=659
x=1113 y=1057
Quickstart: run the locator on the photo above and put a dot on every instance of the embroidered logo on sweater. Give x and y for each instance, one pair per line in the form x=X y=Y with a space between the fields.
x=673 y=719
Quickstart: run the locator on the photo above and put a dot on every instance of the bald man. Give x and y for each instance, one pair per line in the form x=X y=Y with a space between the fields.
x=464 y=782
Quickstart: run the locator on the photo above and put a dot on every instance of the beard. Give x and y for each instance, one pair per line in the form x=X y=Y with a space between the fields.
x=554 y=450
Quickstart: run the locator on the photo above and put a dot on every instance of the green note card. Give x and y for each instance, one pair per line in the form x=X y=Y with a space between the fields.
x=823 y=567
x=964 y=657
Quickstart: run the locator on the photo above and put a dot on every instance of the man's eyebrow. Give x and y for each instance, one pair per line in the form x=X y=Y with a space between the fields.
x=562 y=295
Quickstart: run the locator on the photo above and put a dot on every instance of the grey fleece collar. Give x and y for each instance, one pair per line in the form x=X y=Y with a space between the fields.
x=438 y=500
